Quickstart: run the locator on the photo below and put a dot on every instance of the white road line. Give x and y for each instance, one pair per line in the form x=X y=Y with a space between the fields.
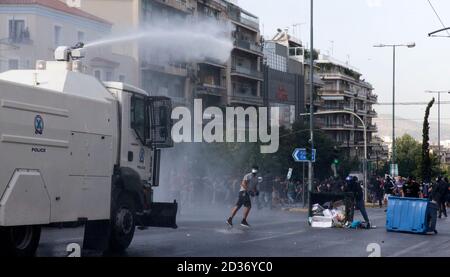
x=273 y=237
x=409 y=249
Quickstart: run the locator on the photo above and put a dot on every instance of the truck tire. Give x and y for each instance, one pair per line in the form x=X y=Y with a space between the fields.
x=123 y=223
x=19 y=241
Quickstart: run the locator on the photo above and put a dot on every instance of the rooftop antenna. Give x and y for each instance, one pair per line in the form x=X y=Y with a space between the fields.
x=332 y=47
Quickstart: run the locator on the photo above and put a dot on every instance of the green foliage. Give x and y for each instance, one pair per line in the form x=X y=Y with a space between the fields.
x=426 y=159
x=409 y=158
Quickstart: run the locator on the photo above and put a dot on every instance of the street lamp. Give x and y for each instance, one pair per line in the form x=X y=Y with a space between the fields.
x=365 y=141
x=394 y=46
x=311 y=101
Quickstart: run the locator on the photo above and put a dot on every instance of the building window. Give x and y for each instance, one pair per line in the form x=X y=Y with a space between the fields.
x=108 y=76
x=80 y=36
x=122 y=78
x=17 y=31
x=98 y=74
x=57 y=35
x=13 y=64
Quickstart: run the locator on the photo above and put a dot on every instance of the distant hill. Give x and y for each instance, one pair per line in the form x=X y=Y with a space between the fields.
x=411 y=127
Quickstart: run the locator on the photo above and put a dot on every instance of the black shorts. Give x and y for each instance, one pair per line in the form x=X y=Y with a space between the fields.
x=244 y=200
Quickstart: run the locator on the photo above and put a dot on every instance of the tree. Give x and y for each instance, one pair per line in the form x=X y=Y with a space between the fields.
x=426 y=159
x=408 y=155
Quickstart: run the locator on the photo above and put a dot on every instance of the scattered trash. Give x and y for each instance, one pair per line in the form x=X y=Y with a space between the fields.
x=321 y=222
x=328 y=218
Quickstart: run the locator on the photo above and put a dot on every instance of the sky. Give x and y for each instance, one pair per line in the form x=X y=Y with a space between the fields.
x=348 y=29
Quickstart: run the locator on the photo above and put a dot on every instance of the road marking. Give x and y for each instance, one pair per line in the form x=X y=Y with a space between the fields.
x=409 y=249
x=273 y=237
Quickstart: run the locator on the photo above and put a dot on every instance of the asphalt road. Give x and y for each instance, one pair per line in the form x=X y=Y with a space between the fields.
x=203 y=233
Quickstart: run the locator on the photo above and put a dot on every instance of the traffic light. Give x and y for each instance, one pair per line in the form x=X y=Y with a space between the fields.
x=336 y=160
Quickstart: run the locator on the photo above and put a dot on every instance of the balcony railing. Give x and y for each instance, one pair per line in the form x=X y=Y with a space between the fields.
x=246 y=99
x=361 y=111
x=373 y=98
x=211 y=89
x=254 y=24
x=20 y=40
x=252 y=46
x=338 y=126
x=176 y=4
x=236 y=69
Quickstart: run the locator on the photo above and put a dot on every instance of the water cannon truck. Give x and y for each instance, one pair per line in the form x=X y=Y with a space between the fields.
x=75 y=149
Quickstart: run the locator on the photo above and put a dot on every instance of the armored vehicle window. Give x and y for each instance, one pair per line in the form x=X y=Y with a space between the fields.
x=138 y=118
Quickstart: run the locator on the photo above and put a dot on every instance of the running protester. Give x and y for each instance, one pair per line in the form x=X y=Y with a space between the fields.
x=249 y=188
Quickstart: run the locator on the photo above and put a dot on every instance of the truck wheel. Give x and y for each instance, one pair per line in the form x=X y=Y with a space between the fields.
x=123 y=223
x=19 y=241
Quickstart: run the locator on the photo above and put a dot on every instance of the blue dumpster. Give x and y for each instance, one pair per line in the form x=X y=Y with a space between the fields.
x=412 y=215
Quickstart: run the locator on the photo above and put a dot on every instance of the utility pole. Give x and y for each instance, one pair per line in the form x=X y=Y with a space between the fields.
x=394 y=46
x=311 y=102
x=439 y=120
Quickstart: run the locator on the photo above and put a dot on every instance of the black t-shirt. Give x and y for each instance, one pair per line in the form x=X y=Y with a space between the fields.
x=411 y=189
x=440 y=191
x=354 y=187
x=388 y=187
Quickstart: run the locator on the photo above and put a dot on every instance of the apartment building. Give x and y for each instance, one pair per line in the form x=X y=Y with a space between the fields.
x=245 y=66
x=23 y=41
x=344 y=89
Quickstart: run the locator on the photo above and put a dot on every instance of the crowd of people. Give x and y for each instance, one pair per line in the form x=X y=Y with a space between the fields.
x=277 y=191
x=274 y=191
x=437 y=191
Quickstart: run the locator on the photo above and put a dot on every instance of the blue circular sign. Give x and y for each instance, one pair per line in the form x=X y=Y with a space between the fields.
x=142 y=155
x=38 y=125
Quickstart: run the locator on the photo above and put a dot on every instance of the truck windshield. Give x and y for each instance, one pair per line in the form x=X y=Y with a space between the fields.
x=138 y=118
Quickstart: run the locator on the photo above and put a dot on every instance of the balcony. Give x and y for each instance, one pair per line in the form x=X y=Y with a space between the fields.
x=211 y=89
x=253 y=47
x=338 y=126
x=372 y=113
x=361 y=97
x=372 y=128
x=361 y=111
x=373 y=98
x=239 y=99
x=180 y=5
x=348 y=108
x=345 y=144
x=349 y=125
x=318 y=102
x=213 y=62
x=247 y=72
x=24 y=40
x=247 y=21
x=171 y=68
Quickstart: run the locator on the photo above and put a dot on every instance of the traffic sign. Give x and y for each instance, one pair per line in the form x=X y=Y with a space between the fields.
x=289 y=175
x=300 y=155
x=394 y=170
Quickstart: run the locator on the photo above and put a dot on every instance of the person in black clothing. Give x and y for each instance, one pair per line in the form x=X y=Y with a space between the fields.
x=379 y=191
x=411 y=189
x=439 y=195
x=355 y=188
